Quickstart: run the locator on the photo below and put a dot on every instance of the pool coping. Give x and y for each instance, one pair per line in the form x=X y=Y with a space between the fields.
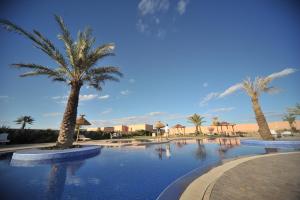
x=201 y=187
x=39 y=154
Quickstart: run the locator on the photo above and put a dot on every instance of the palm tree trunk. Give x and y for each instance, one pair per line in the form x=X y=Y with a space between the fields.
x=67 y=127
x=200 y=130
x=197 y=131
x=263 y=127
x=23 y=125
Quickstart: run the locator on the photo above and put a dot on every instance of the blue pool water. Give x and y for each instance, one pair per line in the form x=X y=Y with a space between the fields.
x=119 y=173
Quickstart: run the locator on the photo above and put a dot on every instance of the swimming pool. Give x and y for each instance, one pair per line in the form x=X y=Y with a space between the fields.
x=119 y=173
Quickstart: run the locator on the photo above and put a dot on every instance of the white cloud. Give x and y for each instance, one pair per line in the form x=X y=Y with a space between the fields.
x=142 y=27
x=208 y=97
x=155 y=113
x=205 y=84
x=52 y=114
x=60 y=99
x=87 y=97
x=181 y=6
x=146 y=7
x=125 y=92
x=107 y=111
x=231 y=89
x=282 y=73
x=104 y=97
x=218 y=110
x=149 y=118
x=131 y=80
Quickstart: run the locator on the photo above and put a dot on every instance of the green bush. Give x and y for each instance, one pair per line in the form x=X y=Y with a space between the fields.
x=28 y=136
x=95 y=135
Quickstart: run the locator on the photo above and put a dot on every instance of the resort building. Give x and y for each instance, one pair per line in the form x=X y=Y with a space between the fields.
x=121 y=128
x=138 y=127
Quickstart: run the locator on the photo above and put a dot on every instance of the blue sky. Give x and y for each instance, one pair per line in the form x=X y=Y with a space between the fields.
x=176 y=56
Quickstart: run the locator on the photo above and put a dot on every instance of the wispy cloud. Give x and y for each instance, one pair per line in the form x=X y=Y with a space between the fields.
x=125 y=92
x=219 y=110
x=231 y=90
x=107 y=111
x=87 y=97
x=52 y=114
x=63 y=99
x=205 y=84
x=146 y=7
x=282 y=73
x=208 y=98
x=149 y=118
x=104 y=97
x=60 y=99
x=181 y=6
x=156 y=113
x=150 y=14
x=142 y=26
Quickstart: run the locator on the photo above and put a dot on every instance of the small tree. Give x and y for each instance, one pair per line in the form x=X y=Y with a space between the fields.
x=197 y=120
x=290 y=118
x=24 y=120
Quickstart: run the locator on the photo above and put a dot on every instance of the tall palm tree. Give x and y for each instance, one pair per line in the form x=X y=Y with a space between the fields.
x=290 y=118
x=76 y=68
x=24 y=120
x=197 y=120
x=254 y=88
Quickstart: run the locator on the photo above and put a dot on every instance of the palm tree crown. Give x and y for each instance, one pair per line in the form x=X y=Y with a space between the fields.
x=76 y=67
x=79 y=63
x=197 y=120
x=24 y=120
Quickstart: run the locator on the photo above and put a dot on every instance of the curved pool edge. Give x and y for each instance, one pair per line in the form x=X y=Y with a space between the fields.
x=201 y=187
x=175 y=189
x=42 y=155
x=273 y=144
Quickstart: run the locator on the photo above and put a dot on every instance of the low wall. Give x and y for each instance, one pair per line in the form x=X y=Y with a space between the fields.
x=281 y=125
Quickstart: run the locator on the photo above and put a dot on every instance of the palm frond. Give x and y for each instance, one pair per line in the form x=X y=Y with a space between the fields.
x=40 y=70
x=65 y=36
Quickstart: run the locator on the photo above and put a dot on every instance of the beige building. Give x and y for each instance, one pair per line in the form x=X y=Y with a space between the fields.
x=280 y=125
x=121 y=128
x=138 y=127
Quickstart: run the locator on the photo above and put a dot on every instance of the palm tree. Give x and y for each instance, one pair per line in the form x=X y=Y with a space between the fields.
x=197 y=120
x=254 y=88
x=24 y=120
x=290 y=118
x=76 y=68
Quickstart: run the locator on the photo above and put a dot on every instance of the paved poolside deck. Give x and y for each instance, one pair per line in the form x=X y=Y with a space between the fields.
x=263 y=177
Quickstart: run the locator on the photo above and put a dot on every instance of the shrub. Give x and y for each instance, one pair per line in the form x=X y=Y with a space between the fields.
x=27 y=136
x=96 y=135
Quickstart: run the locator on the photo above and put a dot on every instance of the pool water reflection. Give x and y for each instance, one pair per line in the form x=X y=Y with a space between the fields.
x=119 y=173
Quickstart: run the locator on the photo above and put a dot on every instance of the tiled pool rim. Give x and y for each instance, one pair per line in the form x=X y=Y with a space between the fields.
x=38 y=154
x=274 y=144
